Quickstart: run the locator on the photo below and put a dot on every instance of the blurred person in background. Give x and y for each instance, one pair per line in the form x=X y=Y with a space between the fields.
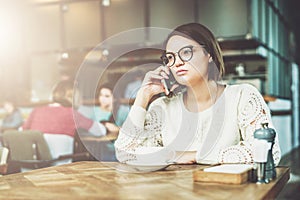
x=107 y=113
x=13 y=117
x=59 y=117
x=104 y=113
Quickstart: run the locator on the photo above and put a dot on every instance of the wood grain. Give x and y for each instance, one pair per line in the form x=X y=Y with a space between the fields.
x=96 y=180
x=202 y=176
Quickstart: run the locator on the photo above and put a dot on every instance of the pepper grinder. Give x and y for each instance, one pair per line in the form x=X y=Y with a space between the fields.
x=260 y=156
x=268 y=134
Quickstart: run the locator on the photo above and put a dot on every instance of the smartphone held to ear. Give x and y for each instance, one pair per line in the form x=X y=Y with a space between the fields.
x=168 y=83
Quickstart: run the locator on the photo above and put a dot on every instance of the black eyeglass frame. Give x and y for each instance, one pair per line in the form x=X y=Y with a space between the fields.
x=165 y=59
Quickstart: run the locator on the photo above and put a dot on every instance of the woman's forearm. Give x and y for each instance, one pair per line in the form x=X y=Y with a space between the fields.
x=142 y=99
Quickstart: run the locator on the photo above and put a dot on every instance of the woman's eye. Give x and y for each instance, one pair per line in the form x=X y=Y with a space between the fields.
x=187 y=51
x=169 y=57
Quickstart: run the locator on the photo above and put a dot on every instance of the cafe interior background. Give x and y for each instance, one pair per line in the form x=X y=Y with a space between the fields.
x=44 y=41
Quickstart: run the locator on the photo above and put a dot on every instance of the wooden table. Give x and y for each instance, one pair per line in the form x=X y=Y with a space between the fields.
x=95 y=180
x=106 y=138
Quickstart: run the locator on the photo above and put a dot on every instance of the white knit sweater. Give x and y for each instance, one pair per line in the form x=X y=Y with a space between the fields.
x=222 y=133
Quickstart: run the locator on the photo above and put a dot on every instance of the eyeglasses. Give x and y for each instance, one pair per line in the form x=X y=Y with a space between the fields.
x=185 y=54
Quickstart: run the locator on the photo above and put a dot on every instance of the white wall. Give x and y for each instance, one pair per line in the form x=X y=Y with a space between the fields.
x=283 y=124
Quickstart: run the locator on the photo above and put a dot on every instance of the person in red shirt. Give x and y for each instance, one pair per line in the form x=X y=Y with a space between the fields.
x=59 y=117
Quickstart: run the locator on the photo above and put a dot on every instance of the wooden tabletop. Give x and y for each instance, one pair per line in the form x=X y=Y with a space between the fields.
x=96 y=180
x=105 y=138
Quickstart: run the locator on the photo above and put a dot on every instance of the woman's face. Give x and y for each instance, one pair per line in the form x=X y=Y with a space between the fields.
x=192 y=71
x=9 y=107
x=105 y=97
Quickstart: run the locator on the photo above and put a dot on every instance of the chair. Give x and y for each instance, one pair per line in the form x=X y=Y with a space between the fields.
x=97 y=150
x=3 y=160
x=3 y=155
x=59 y=145
x=29 y=150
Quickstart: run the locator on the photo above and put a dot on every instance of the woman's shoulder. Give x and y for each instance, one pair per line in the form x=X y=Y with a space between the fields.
x=243 y=88
x=242 y=93
x=246 y=93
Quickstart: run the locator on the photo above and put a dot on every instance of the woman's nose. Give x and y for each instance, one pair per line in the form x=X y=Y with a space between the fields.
x=178 y=61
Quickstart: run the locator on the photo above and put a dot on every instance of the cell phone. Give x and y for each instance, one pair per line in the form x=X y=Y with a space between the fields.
x=168 y=83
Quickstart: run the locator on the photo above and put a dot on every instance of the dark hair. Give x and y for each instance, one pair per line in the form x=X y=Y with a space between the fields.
x=63 y=93
x=205 y=37
x=115 y=105
x=104 y=85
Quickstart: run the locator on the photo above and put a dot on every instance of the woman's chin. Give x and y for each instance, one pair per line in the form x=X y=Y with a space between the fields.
x=182 y=80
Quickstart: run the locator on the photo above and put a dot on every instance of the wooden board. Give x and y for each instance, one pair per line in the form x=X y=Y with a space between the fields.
x=238 y=177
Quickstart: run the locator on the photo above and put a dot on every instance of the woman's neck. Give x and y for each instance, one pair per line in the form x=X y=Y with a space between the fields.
x=201 y=96
x=107 y=108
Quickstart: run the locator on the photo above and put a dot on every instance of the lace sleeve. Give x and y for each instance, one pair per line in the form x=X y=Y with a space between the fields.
x=252 y=112
x=141 y=128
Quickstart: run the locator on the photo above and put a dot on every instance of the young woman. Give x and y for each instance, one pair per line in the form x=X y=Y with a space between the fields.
x=206 y=122
x=104 y=112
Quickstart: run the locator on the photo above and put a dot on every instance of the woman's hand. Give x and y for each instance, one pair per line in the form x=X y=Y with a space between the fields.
x=111 y=127
x=152 y=85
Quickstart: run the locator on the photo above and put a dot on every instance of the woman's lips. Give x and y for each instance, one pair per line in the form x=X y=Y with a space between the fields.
x=181 y=72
